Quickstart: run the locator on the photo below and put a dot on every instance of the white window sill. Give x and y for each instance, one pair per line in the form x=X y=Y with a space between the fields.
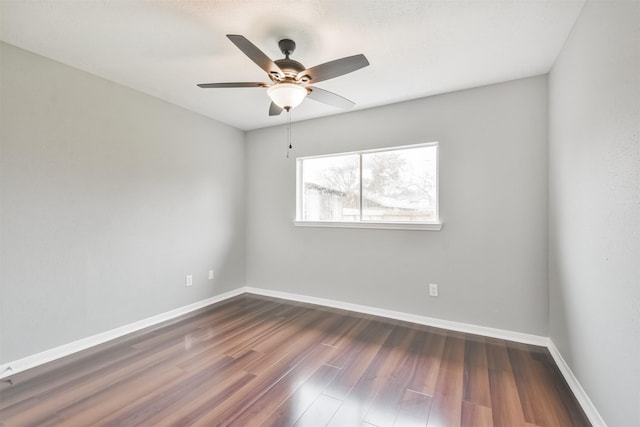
x=424 y=226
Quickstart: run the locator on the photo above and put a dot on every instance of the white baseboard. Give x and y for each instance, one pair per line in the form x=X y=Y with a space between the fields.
x=46 y=356
x=588 y=406
x=413 y=318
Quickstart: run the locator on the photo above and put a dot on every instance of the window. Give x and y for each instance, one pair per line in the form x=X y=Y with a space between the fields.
x=388 y=188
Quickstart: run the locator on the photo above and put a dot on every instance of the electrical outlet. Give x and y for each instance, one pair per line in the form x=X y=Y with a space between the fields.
x=433 y=290
x=188 y=281
x=210 y=274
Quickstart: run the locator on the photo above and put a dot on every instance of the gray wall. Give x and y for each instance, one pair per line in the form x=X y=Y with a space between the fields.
x=490 y=258
x=594 y=207
x=109 y=198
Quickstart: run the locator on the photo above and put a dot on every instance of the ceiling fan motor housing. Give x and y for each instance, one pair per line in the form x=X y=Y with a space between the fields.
x=289 y=67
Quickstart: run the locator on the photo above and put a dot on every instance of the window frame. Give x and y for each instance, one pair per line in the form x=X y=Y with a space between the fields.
x=394 y=225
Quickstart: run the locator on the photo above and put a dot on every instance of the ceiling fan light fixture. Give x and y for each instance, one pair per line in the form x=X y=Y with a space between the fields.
x=287 y=95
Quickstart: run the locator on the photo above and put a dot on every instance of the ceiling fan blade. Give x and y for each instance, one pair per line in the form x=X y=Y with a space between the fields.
x=274 y=109
x=240 y=84
x=255 y=54
x=334 y=68
x=329 y=98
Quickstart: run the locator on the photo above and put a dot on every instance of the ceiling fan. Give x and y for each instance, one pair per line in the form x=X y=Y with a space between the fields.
x=290 y=80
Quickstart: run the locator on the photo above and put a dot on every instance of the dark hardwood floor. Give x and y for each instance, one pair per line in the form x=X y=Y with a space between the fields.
x=257 y=361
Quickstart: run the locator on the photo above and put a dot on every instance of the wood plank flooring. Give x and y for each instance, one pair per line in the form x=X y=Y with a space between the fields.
x=257 y=361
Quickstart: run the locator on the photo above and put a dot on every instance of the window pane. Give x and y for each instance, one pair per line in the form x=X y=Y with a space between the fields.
x=330 y=188
x=399 y=185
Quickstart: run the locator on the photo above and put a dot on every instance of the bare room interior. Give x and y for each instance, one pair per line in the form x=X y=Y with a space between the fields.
x=174 y=249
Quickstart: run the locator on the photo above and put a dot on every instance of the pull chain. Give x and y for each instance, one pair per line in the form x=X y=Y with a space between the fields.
x=289 y=146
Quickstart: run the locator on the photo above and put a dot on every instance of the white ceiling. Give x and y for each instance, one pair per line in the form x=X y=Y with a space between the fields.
x=416 y=47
